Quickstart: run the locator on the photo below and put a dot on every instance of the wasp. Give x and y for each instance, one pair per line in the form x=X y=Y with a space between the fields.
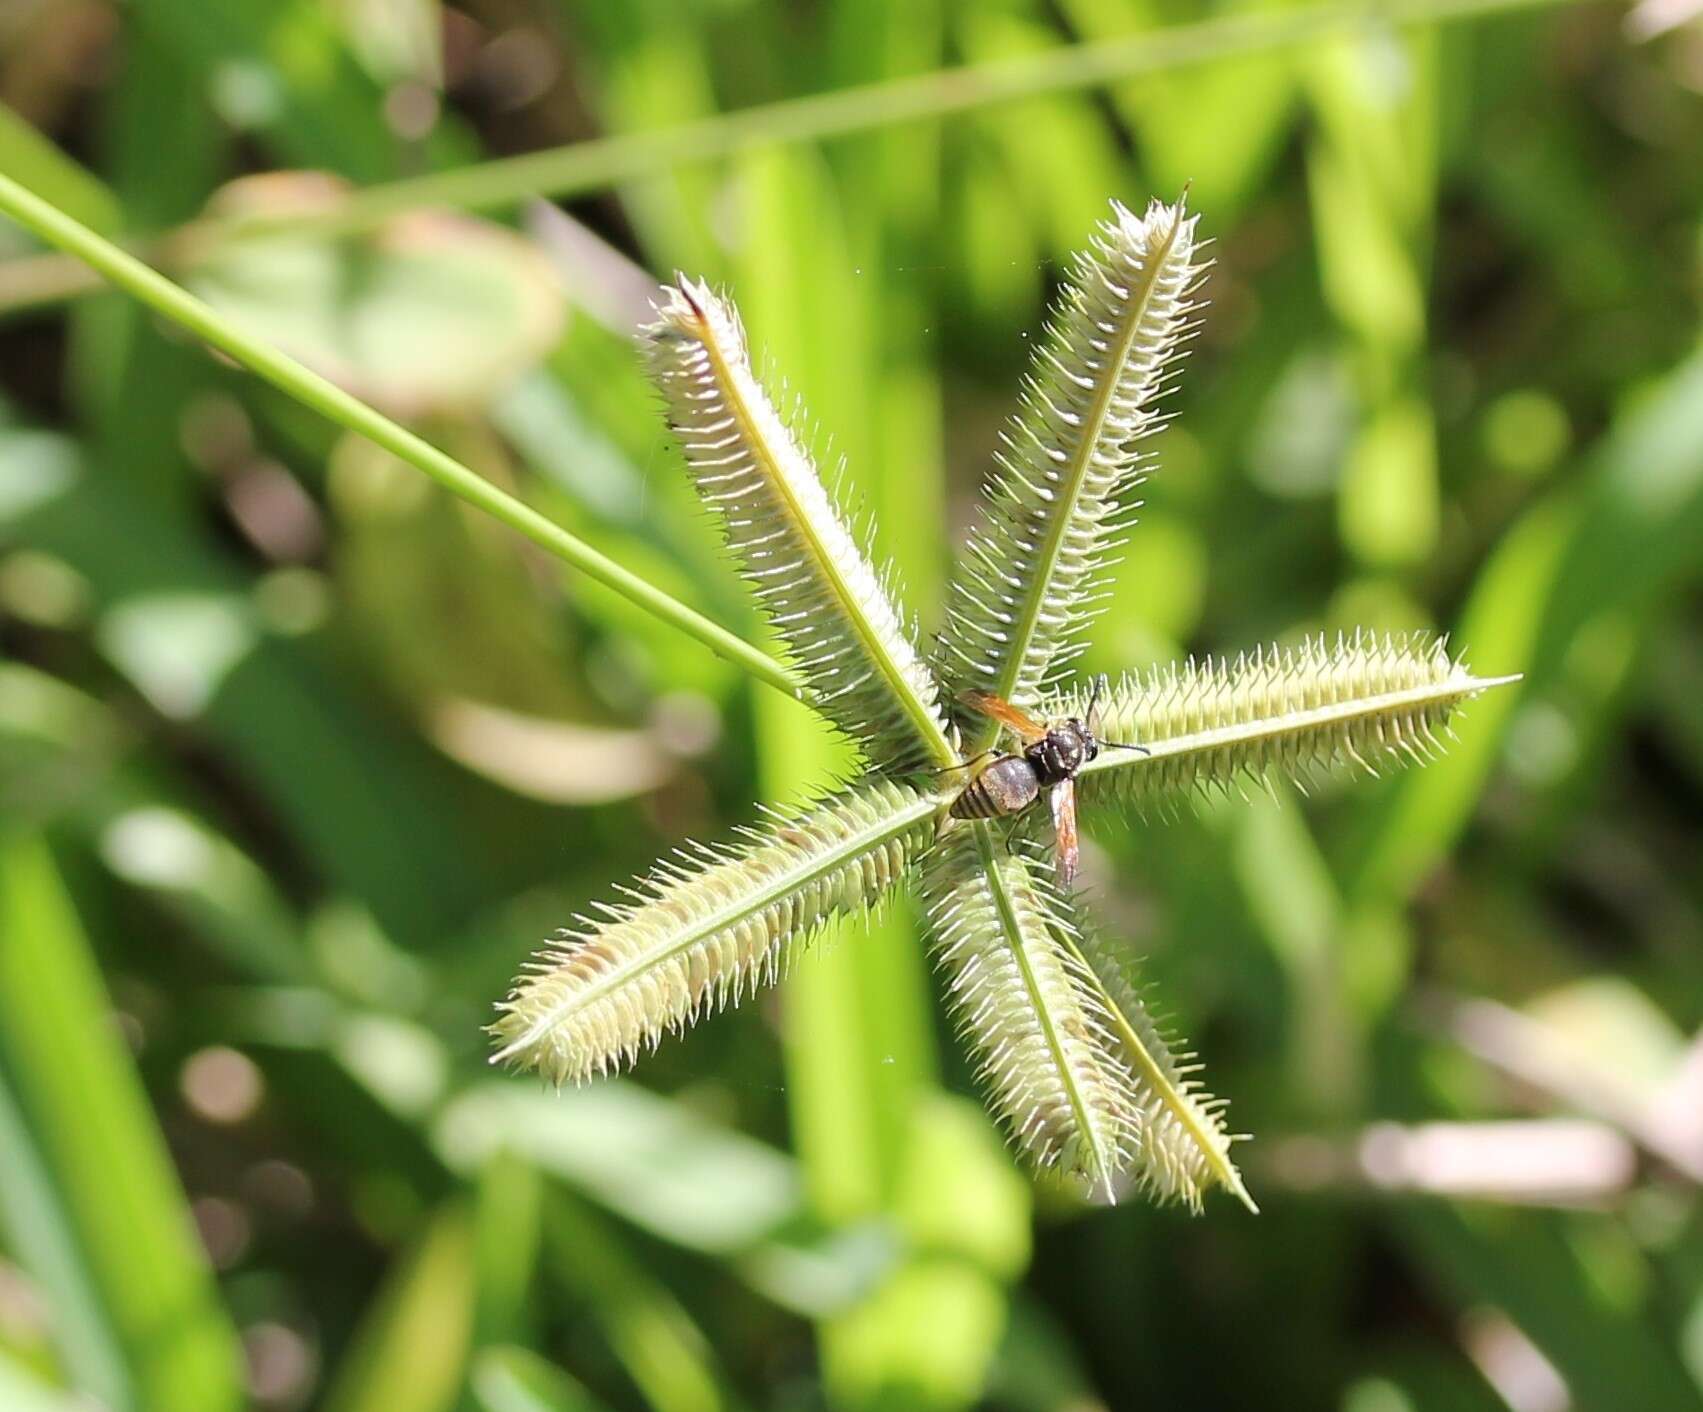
x=1052 y=755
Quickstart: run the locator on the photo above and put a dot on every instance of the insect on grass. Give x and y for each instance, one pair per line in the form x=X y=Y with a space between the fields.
x=1075 y=1067
x=1053 y=752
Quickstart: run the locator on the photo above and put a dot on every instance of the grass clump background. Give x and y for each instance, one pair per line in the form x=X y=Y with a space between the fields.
x=299 y=754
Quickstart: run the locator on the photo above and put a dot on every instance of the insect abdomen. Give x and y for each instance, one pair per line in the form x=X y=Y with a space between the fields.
x=1007 y=786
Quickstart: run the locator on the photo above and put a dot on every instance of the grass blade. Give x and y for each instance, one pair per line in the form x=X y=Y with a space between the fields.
x=35 y=160
x=603 y=162
x=508 y=1378
x=684 y=1180
x=649 y=1331
x=21 y=1391
x=39 y=1236
x=1619 y=540
x=410 y=1352
x=81 y=1098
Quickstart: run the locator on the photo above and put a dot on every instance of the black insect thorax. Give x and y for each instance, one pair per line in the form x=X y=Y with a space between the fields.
x=1061 y=752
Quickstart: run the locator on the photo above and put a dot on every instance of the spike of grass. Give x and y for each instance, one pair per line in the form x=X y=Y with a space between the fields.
x=700 y=932
x=1363 y=702
x=1182 y=1146
x=1027 y=582
x=1020 y=1002
x=1079 y=1072
x=828 y=602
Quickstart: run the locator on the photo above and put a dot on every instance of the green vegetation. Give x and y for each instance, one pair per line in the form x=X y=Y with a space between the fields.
x=300 y=754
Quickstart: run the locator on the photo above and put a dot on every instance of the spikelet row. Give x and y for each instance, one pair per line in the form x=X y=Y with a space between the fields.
x=702 y=931
x=1364 y=701
x=830 y=605
x=1181 y=1146
x=1044 y=1046
x=1027 y=583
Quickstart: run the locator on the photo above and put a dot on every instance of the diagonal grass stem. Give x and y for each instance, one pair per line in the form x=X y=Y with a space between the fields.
x=312 y=390
x=602 y=162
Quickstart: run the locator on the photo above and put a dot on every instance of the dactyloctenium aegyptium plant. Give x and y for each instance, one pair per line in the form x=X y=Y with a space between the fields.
x=1074 y=1065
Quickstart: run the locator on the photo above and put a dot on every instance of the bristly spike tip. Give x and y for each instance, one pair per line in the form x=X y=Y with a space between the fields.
x=709 y=932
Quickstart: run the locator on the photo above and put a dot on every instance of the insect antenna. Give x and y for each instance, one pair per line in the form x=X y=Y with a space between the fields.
x=1093 y=706
x=1100 y=684
x=1094 y=703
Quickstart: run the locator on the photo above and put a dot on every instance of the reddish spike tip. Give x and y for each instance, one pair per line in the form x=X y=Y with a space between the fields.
x=684 y=285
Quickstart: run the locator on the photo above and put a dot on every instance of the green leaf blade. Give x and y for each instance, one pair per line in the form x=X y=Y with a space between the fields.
x=81 y=1098
x=410 y=1352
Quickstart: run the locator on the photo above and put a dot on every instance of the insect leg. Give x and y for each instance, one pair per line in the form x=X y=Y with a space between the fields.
x=962 y=764
x=1017 y=822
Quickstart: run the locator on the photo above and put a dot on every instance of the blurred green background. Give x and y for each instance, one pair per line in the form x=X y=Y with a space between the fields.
x=298 y=758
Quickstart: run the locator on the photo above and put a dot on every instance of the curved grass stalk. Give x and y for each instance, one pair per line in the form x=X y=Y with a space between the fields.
x=822 y=594
x=700 y=932
x=603 y=162
x=1362 y=701
x=1027 y=1007
x=1026 y=585
x=330 y=401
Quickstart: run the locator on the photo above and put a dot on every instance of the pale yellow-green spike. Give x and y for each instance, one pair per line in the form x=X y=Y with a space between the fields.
x=1365 y=701
x=1028 y=581
x=702 y=932
x=1041 y=1039
x=827 y=601
x=1181 y=1146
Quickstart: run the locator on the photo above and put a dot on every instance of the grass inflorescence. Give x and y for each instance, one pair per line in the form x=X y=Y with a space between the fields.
x=1080 y=1074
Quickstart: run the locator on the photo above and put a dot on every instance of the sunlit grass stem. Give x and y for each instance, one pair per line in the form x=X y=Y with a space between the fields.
x=326 y=398
x=603 y=162
x=582 y=166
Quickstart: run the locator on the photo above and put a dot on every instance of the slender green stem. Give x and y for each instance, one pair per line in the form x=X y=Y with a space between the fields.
x=307 y=387
x=581 y=166
x=602 y=162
